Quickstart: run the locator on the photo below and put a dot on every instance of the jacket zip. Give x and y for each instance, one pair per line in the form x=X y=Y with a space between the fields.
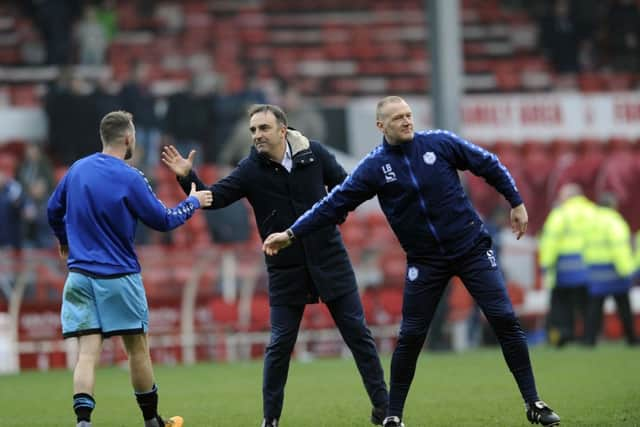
x=271 y=215
x=423 y=203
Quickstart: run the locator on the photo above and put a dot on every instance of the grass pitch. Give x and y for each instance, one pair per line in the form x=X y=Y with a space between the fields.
x=598 y=387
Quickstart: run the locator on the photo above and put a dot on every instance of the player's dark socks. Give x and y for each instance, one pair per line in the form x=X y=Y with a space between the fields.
x=83 y=405
x=148 y=403
x=403 y=368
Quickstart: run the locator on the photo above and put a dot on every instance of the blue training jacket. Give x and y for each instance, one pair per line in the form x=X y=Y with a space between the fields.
x=95 y=209
x=420 y=193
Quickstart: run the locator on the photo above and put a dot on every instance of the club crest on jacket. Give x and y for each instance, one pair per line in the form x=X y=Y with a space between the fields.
x=429 y=157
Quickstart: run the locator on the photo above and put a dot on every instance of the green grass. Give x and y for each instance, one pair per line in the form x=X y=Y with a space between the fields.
x=598 y=387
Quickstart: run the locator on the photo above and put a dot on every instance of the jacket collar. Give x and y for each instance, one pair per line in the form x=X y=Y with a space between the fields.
x=300 y=153
x=396 y=147
x=298 y=145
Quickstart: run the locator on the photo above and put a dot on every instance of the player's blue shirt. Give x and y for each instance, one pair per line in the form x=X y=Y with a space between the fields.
x=420 y=193
x=95 y=209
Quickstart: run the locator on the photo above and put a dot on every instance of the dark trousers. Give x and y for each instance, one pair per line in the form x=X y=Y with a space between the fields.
x=348 y=314
x=568 y=305
x=426 y=281
x=594 y=317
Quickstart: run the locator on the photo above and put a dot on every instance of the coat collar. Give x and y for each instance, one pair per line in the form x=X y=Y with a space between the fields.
x=397 y=147
x=297 y=142
x=301 y=153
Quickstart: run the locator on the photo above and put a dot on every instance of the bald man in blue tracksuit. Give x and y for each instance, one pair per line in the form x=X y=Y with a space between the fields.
x=415 y=176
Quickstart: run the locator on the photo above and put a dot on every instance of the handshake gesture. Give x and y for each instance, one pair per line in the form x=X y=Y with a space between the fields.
x=181 y=167
x=204 y=196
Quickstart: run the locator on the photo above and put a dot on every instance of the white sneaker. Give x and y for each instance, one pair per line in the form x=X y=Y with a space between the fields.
x=392 y=422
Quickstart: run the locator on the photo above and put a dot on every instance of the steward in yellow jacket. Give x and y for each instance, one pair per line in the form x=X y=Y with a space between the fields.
x=609 y=258
x=562 y=245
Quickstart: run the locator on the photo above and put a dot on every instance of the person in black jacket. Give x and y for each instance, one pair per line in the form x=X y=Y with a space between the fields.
x=284 y=175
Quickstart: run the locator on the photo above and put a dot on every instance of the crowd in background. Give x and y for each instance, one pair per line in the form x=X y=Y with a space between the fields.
x=589 y=35
x=207 y=112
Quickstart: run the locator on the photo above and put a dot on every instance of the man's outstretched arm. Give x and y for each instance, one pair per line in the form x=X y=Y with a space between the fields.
x=332 y=209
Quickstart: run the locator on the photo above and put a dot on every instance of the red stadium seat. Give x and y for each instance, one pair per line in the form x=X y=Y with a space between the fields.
x=590 y=82
x=225 y=315
x=391 y=302
x=260 y=313
x=585 y=168
x=619 y=81
x=460 y=302
x=484 y=197
x=353 y=231
x=537 y=171
x=317 y=316
x=8 y=164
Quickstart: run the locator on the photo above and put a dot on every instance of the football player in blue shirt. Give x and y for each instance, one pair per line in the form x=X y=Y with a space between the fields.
x=94 y=212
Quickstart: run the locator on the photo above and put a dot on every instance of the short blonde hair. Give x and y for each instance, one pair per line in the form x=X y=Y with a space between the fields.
x=115 y=125
x=384 y=101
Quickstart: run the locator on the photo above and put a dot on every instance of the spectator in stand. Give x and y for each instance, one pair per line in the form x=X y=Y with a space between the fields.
x=106 y=96
x=138 y=99
x=560 y=38
x=55 y=20
x=35 y=174
x=35 y=166
x=303 y=114
x=106 y=15
x=609 y=257
x=187 y=124
x=72 y=115
x=91 y=38
x=11 y=203
x=623 y=35
x=36 y=232
x=562 y=245
x=229 y=226
x=231 y=126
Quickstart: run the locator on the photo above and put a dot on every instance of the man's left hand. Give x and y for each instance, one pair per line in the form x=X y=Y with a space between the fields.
x=275 y=242
x=519 y=220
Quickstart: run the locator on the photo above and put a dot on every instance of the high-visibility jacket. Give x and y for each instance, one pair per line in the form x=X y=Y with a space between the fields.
x=562 y=243
x=636 y=275
x=608 y=253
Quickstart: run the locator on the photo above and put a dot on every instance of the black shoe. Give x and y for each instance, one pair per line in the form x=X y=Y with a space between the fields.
x=539 y=413
x=392 y=422
x=378 y=414
x=154 y=422
x=271 y=422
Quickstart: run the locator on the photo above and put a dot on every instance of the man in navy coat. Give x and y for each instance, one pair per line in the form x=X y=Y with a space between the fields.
x=284 y=175
x=415 y=176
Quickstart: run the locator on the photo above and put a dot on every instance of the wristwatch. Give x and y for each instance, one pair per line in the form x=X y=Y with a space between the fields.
x=290 y=234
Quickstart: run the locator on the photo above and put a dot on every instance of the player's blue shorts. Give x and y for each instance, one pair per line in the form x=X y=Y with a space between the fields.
x=107 y=306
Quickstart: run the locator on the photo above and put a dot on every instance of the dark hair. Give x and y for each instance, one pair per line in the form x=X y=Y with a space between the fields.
x=280 y=116
x=115 y=125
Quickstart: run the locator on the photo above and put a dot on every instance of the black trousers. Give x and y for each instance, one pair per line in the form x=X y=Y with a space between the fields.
x=594 y=317
x=568 y=305
x=424 y=286
x=348 y=314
